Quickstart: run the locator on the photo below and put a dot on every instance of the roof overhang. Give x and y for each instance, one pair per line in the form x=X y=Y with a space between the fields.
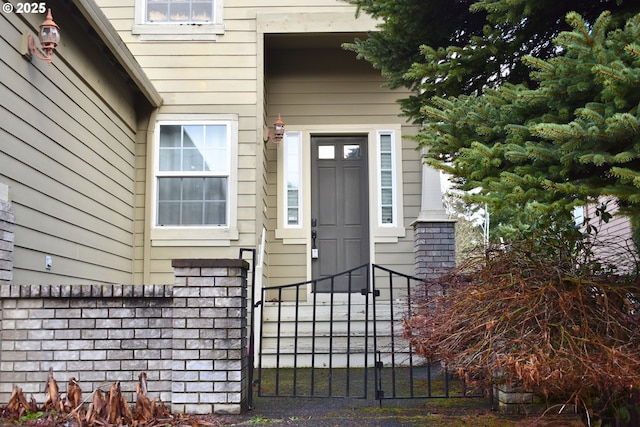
x=99 y=22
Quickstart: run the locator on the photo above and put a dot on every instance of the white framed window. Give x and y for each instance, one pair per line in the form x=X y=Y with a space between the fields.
x=387 y=181
x=292 y=175
x=578 y=215
x=195 y=182
x=179 y=19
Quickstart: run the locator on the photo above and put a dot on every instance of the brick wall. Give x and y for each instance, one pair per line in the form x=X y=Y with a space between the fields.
x=96 y=333
x=210 y=361
x=435 y=248
x=188 y=337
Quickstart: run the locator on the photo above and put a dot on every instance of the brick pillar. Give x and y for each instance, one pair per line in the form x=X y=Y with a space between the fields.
x=210 y=363
x=435 y=248
x=7 y=230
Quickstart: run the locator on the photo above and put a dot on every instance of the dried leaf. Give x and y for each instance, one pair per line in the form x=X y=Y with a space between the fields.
x=74 y=393
x=110 y=410
x=52 y=391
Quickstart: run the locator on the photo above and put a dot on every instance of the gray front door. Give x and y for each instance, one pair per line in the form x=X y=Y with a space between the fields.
x=339 y=210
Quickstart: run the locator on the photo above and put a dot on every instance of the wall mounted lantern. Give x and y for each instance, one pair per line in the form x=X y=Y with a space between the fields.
x=278 y=132
x=49 y=36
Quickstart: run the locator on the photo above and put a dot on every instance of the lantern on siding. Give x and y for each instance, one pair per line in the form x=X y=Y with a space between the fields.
x=278 y=132
x=49 y=36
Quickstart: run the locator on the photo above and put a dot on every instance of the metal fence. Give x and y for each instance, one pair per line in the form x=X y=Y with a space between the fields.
x=315 y=342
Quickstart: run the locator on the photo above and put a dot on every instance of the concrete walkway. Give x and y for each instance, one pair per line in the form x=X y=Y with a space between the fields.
x=327 y=412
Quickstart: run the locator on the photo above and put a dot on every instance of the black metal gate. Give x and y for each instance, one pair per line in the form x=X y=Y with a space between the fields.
x=314 y=343
x=399 y=372
x=308 y=344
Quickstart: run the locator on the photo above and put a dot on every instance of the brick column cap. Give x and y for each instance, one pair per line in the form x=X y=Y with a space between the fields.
x=417 y=222
x=209 y=263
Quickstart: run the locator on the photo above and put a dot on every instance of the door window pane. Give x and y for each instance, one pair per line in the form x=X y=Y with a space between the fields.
x=326 y=152
x=351 y=152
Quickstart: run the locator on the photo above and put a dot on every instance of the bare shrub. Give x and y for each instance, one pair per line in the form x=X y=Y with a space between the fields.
x=562 y=323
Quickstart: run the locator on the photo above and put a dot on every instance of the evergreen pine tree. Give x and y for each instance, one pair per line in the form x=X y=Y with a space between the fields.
x=573 y=138
x=455 y=47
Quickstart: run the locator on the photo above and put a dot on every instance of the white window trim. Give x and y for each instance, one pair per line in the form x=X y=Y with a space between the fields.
x=198 y=235
x=285 y=174
x=188 y=31
x=294 y=234
x=578 y=215
x=394 y=178
x=389 y=232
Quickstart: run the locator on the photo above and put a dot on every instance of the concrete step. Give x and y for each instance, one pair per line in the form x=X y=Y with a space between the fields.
x=320 y=328
x=323 y=360
x=318 y=344
x=337 y=359
x=306 y=312
x=325 y=335
x=333 y=345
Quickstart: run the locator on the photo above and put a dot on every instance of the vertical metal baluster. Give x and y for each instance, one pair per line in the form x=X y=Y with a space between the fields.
x=295 y=342
x=313 y=337
x=411 y=383
x=393 y=340
x=278 y=341
x=379 y=391
x=348 y=334
x=377 y=364
x=331 y=336
x=365 y=292
x=262 y=296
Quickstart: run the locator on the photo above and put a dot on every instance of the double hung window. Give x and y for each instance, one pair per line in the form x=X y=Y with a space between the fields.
x=179 y=11
x=192 y=176
x=178 y=19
